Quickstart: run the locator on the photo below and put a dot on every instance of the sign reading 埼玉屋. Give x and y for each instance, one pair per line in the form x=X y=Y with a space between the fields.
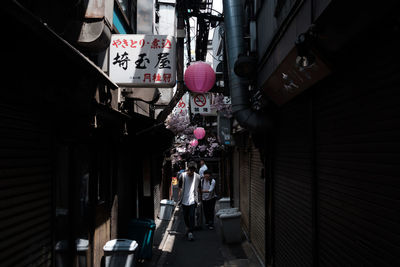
x=138 y=60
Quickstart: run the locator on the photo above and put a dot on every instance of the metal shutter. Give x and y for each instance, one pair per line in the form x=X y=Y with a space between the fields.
x=236 y=175
x=358 y=164
x=292 y=176
x=25 y=189
x=244 y=171
x=257 y=203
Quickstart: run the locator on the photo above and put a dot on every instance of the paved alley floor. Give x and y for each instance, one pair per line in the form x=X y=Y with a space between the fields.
x=203 y=251
x=207 y=250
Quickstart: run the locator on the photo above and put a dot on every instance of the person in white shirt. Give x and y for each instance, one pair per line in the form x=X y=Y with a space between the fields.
x=203 y=167
x=208 y=198
x=189 y=185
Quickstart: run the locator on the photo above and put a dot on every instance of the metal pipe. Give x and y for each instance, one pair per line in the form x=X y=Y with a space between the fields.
x=248 y=118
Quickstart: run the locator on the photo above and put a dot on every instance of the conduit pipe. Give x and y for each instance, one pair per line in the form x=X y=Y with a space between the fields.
x=254 y=121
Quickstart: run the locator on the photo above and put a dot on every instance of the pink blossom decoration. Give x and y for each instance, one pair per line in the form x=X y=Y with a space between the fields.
x=199 y=77
x=194 y=143
x=202 y=148
x=199 y=133
x=220 y=105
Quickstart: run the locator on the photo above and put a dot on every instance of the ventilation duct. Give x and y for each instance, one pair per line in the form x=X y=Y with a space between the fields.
x=254 y=121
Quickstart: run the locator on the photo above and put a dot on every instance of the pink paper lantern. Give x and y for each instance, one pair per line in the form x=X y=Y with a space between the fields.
x=199 y=77
x=194 y=143
x=199 y=133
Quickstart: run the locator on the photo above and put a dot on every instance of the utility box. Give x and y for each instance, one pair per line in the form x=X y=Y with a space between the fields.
x=61 y=253
x=82 y=247
x=166 y=209
x=224 y=203
x=230 y=227
x=224 y=211
x=120 y=253
x=229 y=210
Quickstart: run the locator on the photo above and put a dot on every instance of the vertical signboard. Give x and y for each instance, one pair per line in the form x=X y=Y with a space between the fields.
x=183 y=105
x=138 y=60
x=224 y=130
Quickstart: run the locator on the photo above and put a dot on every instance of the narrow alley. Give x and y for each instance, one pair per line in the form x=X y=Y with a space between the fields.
x=208 y=249
x=210 y=133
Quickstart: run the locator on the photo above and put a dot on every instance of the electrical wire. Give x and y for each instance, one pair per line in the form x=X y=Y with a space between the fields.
x=219 y=60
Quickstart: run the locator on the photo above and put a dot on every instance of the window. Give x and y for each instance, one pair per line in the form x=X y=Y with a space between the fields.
x=123 y=17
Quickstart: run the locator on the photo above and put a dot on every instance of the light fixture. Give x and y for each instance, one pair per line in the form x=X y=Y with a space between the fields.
x=199 y=133
x=245 y=66
x=125 y=131
x=93 y=122
x=199 y=77
x=304 y=42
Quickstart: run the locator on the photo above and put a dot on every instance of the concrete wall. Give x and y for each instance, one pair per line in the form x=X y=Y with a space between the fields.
x=145 y=15
x=167 y=19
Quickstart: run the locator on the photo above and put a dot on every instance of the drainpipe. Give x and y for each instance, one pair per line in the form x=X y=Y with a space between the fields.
x=254 y=121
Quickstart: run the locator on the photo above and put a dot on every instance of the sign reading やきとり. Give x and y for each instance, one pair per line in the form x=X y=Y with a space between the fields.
x=138 y=60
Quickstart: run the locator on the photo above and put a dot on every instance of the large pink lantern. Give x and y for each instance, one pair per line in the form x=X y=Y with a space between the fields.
x=194 y=143
x=199 y=77
x=199 y=133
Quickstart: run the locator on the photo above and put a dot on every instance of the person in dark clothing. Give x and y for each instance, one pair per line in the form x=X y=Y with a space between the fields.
x=208 y=198
x=189 y=183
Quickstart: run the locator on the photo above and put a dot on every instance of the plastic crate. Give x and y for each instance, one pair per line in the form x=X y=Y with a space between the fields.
x=142 y=231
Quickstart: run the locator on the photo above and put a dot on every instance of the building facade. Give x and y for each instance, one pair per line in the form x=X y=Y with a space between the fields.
x=72 y=153
x=327 y=74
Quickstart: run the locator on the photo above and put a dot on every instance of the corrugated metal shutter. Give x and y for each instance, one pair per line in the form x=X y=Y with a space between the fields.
x=25 y=189
x=292 y=200
x=358 y=153
x=257 y=203
x=244 y=187
x=236 y=179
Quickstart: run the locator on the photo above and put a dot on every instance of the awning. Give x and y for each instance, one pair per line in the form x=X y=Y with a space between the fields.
x=33 y=23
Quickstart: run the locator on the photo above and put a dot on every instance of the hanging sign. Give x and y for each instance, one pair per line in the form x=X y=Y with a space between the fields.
x=224 y=130
x=200 y=103
x=183 y=104
x=138 y=60
x=290 y=80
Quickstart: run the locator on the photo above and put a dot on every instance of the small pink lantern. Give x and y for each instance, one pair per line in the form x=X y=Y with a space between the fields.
x=194 y=143
x=199 y=77
x=199 y=133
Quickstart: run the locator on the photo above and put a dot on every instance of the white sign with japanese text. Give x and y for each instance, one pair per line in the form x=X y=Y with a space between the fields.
x=200 y=103
x=138 y=60
x=183 y=104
